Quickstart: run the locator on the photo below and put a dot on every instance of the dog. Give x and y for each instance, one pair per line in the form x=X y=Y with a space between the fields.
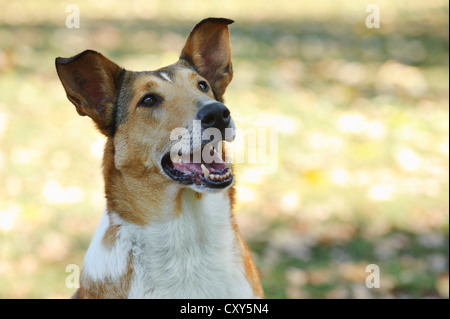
x=168 y=230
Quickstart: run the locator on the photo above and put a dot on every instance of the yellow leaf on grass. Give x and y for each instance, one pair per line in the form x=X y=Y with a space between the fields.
x=315 y=176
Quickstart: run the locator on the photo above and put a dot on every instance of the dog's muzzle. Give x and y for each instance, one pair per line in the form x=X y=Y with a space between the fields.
x=203 y=164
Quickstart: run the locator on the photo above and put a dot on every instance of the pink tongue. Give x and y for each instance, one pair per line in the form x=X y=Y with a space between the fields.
x=188 y=167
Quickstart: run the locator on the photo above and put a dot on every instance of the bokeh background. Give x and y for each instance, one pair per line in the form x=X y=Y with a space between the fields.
x=363 y=139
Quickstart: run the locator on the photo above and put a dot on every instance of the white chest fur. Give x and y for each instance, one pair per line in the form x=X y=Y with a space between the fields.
x=195 y=255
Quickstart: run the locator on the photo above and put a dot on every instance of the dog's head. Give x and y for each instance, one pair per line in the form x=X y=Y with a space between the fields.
x=170 y=121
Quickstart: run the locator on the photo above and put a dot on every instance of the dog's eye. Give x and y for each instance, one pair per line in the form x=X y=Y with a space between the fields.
x=150 y=100
x=203 y=86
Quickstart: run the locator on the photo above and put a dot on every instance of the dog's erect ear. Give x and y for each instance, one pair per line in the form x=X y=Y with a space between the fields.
x=208 y=49
x=91 y=82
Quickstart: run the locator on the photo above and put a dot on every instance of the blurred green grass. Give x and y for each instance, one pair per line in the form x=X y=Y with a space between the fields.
x=362 y=117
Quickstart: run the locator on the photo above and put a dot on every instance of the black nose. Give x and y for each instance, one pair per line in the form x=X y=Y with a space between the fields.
x=214 y=115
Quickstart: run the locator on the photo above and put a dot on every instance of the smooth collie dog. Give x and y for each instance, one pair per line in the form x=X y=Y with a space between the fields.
x=168 y=230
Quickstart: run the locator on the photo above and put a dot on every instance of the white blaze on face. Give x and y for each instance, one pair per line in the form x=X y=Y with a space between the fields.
x=165 y=76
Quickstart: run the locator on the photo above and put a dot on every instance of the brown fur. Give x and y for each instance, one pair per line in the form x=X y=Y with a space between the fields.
x=106 y=289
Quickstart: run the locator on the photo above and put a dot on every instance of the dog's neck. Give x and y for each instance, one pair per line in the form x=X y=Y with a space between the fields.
x=183 y=245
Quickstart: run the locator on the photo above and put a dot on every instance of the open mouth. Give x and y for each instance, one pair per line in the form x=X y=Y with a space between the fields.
x=215 y=174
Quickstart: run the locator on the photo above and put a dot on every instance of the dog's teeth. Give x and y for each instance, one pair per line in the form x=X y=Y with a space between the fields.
x=205 y=170
x=180 y=161
x=174 y=158
x=218 y=177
